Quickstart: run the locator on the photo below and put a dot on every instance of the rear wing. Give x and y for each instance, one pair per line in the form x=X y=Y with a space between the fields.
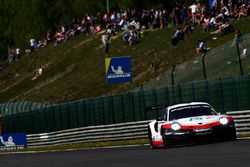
x=156 y=108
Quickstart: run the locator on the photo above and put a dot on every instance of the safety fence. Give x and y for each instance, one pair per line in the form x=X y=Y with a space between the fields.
x=19 y=107
x=123 y=131
x=224 y=94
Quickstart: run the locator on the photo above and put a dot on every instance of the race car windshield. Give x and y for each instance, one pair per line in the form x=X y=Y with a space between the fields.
x=190 y=111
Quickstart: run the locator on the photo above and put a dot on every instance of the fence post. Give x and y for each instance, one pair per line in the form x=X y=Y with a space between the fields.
x=133 y=105
x=236 y=88
x=143 y=105
x=112 y=109
x=156 y=103
x=173 y=92
x=180 y=93
x=1 y=124
x=193 y=91
x=103 y=112
x=123 y=109
x=172 y=74
x=204 y=65
x=167 y=95
x=238 y=54
x=222 y=95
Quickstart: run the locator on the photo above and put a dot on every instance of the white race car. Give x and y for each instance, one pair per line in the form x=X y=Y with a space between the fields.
x=189 y=123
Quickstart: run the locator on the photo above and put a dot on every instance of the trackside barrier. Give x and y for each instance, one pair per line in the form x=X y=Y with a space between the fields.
x=122 y=131
x=242 y=121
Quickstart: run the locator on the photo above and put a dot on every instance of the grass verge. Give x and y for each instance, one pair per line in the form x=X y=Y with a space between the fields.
x=83 y=145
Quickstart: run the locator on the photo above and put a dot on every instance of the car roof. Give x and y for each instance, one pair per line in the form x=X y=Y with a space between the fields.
x=186 y=104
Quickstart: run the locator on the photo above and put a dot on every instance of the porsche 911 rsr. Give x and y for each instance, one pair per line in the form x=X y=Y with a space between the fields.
x=190 y=123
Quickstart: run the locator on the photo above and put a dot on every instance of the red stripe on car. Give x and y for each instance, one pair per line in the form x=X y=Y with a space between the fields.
x=201 y=126
x=157 y=143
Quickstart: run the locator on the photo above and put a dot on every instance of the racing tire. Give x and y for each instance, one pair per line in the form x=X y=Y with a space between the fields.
x=150 y=138
x=232 y=135
x=164 y=139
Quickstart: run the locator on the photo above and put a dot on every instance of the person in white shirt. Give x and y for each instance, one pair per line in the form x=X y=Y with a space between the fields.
x=201 y=49
x=17 y=53
x=32 y=44
x=193 y=11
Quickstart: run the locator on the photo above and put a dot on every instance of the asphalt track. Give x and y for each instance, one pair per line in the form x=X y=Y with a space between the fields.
x=225 y=154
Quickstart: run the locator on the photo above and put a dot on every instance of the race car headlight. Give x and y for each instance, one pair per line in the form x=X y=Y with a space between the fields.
x=175 y=126
x=223 y=121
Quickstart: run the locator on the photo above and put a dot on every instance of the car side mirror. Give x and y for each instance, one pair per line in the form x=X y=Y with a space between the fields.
x=159 y=119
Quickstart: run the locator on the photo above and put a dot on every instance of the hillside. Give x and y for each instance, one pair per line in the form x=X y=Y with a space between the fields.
x=76 y=69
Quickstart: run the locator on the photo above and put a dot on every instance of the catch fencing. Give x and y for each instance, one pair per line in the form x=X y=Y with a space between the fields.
x=123 y=131
x=224 y=94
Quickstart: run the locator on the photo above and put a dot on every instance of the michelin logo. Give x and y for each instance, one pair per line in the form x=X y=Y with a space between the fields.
x=119 y=70
x=118 y=73
x=13 y=142
x=9 y=143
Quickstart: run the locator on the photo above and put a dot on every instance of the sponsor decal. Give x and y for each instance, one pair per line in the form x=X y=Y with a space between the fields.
x=196 y=119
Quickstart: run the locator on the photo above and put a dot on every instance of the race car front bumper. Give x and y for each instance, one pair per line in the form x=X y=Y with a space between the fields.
x=186 y=136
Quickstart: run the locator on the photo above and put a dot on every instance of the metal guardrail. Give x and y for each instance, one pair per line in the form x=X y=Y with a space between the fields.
x=122 y=131
x=242 y=121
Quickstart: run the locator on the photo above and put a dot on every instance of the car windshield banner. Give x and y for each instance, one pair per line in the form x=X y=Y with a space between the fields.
x=13 y=141
x=118 y=69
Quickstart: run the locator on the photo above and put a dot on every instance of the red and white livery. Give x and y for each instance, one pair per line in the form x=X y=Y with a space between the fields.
x=190 y=123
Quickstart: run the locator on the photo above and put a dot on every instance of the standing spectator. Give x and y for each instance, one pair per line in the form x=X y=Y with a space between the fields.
x=193 y=9
x=32 y=44
x=105 y=42
x=18 y=54
x=11 y=56
x=184 y=15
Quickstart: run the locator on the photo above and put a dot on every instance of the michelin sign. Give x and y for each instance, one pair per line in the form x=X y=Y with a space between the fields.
x=118 y=69
x=13 y=141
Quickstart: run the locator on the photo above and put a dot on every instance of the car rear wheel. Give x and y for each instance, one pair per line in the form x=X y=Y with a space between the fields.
x=150 y=138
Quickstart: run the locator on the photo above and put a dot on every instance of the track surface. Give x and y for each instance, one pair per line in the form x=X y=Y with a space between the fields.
x=236 y=153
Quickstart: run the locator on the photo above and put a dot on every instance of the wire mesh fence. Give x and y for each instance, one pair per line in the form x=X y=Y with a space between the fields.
x=224 y=94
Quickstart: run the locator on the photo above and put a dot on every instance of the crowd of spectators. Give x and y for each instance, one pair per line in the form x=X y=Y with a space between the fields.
x=214 y=18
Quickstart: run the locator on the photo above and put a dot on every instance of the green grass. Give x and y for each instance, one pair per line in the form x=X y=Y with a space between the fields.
x=76 y=70
x=84 y=145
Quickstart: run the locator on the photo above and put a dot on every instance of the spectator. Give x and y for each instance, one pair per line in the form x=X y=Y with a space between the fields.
x=242 y=11
x=193 y=9
x=244 y=53
x=179 y=35
x=18 y=54
x=201 y=49
x=32 y=44
x=2 y=65
x=38 y=73
x=223 y=29
x=105 y=42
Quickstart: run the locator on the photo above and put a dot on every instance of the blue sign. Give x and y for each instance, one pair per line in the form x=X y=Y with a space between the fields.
x=118 y=69
x=13 y=141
